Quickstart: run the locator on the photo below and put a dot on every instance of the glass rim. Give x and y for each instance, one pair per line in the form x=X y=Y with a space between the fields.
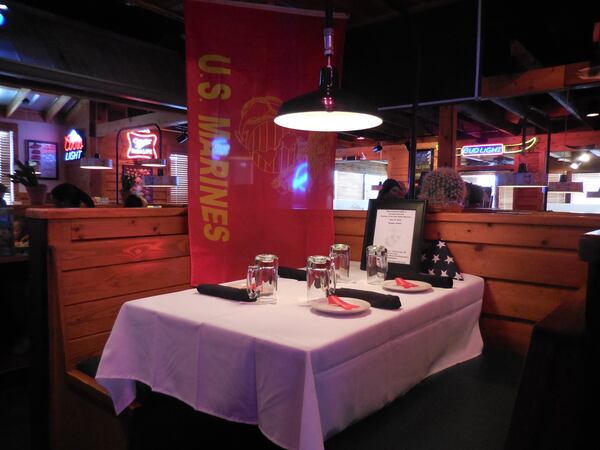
x=266 y=257
x=376 y=249
x=337 y=247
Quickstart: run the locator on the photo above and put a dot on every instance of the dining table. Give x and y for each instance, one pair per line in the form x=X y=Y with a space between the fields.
x=299 y=373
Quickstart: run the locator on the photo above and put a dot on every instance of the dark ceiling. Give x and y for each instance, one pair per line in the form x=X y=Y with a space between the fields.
x=381 y=57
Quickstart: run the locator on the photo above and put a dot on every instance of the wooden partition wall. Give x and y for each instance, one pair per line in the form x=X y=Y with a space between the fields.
x=85 y=263
x=529 y=262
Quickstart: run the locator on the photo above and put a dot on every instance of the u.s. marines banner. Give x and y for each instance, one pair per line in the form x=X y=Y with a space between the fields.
x=254 y=187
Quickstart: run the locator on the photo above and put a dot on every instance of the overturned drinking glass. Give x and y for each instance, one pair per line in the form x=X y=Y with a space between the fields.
x=320 y=277
x=340 y=257
x=262 y=277
x=377 y=264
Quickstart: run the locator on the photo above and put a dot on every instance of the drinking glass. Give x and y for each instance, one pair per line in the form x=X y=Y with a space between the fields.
x=340 y=256
x=377 y=264
x=320 y=277
x=261 y=280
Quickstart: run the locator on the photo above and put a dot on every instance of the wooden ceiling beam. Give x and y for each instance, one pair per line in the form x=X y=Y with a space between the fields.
x=489 y=117
x=55 y=108
x=16 y=101
x=73 y=116
x=519 y=109
x=162 y=119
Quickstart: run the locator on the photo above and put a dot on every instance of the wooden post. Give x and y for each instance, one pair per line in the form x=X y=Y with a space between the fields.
x=447 y=136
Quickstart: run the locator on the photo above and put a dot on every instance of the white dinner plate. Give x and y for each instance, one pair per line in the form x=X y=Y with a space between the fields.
x=420 y=286
x=322 y=305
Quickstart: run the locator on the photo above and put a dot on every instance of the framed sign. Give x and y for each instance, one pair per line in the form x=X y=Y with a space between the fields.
x=45 y=154
x=424 y=162
x=397 y=224
x=132 y=182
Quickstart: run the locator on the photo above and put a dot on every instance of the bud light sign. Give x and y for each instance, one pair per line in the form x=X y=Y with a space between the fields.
x=483 y=150
x=141 y=145
x=73 y=146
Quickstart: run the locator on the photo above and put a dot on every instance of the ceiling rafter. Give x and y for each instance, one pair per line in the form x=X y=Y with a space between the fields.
x=487 y=116
x=528 y=61
x=518 y=108
x=55 y=108
x=16 y=101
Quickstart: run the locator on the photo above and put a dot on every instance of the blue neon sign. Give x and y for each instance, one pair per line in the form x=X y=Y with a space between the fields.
x=483 y=150
x=300 y=181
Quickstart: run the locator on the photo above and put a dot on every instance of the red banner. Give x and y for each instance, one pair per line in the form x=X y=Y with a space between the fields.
x=254 y=187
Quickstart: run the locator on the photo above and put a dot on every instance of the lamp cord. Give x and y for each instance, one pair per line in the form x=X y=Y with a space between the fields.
x=328 y=34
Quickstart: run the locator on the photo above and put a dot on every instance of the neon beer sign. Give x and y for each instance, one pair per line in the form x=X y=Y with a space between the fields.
x=73 y=146
x=483 y=150
x=141 y=144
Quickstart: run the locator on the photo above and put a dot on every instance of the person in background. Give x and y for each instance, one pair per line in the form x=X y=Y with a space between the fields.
x=419 y=183
x=135 y=201
x=68 y=195
x=391 y=189
x=3 y=190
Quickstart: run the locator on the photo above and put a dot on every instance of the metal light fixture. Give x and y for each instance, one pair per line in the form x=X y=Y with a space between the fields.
x=158 y=162
x=565 y=187
x=522 y=179
x=160 y=180
x=329 y=108
x=95 y=163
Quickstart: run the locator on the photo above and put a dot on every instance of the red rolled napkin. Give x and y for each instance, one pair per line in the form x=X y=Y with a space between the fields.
x=404 y=283
x=335 y=300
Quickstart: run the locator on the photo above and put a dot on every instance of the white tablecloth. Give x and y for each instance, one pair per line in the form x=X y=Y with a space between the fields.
x=301 y=376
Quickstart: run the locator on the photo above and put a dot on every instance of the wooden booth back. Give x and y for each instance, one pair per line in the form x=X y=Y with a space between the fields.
x=104 y=262
x=529 y=262
x=86 y=264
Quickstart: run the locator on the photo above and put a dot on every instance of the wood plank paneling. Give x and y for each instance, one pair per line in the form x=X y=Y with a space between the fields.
x=85 y=347
x=522 y=300
x=355 y=244
x=350 y=226
x=127 y=227
x=89 y=318
x=110 y=281
x=506 y=234
x=507 y=334
x=551 y=267
x=525 y=83
x=83 y=254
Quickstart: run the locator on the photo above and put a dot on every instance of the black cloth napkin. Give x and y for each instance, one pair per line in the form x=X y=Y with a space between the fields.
x=227 y=292
x=295 y=274
x=435 y=281
x=377 y=300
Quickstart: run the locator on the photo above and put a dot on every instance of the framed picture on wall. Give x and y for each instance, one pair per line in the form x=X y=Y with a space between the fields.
x=45 y=155
x=397 y=224
x=424 y=162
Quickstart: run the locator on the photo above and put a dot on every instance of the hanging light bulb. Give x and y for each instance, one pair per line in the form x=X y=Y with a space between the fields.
x=329 y=108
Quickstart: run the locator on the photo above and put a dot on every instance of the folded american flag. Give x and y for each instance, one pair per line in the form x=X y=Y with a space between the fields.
x=437 y=260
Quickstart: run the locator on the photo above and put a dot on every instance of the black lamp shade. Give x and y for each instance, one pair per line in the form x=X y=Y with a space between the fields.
x=327 y=110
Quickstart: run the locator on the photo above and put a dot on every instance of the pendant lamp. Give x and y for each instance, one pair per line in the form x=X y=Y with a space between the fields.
x=95 y=163
x=328 y=108
x=155 y=162
x=160 y=180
